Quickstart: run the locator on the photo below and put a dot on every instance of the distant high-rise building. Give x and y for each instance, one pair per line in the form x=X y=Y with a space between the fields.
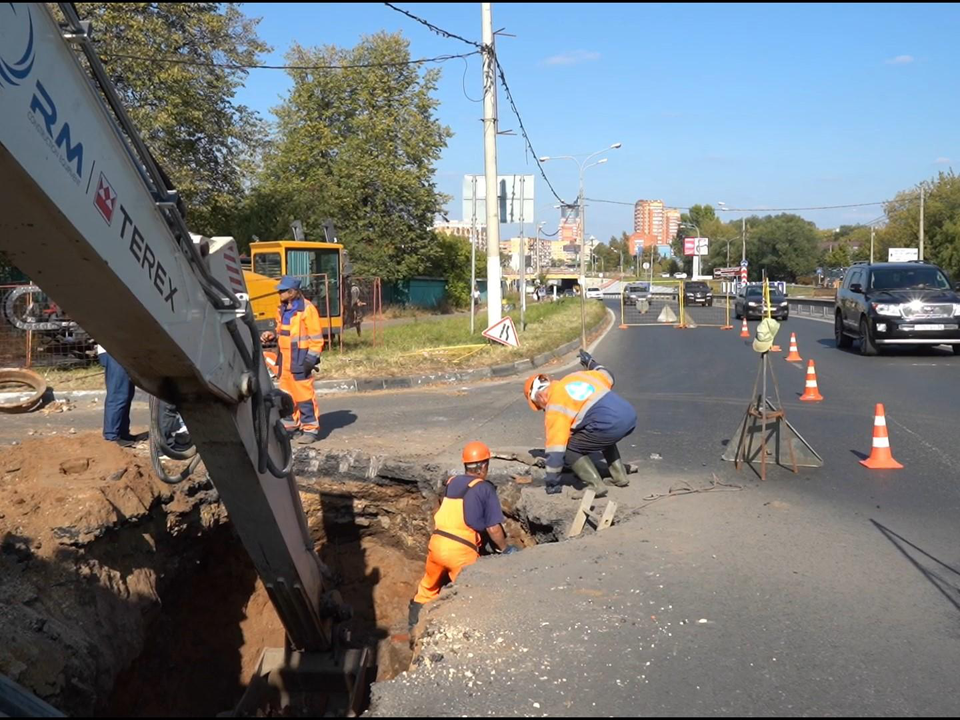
x=655 y=223
x=671 y=225
x=569 y=225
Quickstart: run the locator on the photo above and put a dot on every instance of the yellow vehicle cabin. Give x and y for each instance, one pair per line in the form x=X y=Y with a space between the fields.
x=318 y=265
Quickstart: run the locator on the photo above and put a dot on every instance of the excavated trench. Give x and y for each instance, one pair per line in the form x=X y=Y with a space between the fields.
x=136 y=600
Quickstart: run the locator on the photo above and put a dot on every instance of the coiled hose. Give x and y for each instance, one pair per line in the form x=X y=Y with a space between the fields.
x=158 y=446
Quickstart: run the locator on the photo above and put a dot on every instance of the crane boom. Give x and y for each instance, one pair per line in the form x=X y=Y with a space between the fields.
x=87 y=213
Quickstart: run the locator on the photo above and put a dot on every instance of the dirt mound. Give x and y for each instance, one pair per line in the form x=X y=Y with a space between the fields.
x=69 y=491
x=87 y=538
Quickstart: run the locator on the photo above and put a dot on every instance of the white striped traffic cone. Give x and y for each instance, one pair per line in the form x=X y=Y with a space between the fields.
x=811 y=393
x=880 y=456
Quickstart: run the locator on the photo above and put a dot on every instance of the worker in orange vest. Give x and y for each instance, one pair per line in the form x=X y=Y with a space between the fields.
x=299 y=337
x=469 y=508
x=583 y=416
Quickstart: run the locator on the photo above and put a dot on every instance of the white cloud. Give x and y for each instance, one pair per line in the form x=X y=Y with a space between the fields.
x=572 y=58
x=942 y=161
x=900 y=60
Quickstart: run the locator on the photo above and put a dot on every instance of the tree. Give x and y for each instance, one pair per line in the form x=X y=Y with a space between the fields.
x=452 y=261
x=839 y=257
x=186 y=113
x=784 y=245
x=359 y=146
x=941 y=222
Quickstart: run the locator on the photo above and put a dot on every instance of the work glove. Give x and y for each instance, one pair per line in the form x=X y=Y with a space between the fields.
x=310 y=363
x=510 y=550
x=586 y=359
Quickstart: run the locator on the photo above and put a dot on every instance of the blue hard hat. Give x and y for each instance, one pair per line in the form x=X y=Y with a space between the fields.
x=288 y=282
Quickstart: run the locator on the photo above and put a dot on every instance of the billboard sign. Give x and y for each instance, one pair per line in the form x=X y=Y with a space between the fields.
x=696 y=246
x=902 y=254
x=514 y=197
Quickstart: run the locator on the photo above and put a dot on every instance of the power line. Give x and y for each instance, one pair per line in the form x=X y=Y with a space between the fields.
x=819 y=207
x=523 y=130
x=239 y=66
x=434 y=28
x=463 y=82
x=503 y=81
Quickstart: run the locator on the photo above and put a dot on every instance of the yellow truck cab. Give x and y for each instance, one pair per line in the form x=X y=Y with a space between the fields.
x=318 y=265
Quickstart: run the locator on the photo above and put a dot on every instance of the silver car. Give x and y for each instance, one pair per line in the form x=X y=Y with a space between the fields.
x=636 y=291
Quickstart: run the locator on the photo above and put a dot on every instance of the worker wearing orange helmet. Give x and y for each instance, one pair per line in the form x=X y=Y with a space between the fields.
x=583 y=416
x=469 y=508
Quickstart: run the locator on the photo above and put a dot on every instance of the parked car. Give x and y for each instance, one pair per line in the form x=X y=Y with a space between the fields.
x=911 y=303
x=569 y=293
x=680 y=275
x=634 y=292
x=697 y=293
x=664 y=275
x=595 y=293
x=750 y=304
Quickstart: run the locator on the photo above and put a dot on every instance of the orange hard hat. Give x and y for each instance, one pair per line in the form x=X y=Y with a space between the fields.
x=528 y=388
x=475 y=452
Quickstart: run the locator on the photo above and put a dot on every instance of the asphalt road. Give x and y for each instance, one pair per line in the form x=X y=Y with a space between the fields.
x=831 y=592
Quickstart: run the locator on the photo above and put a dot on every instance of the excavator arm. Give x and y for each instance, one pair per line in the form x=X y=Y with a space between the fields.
x=88 y=214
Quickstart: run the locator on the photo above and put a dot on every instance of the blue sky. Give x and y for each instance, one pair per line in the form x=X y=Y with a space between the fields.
x=760 y=106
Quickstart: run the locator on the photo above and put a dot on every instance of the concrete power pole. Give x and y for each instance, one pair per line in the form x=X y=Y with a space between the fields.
x=494 y=298
x=872 y=232
x=473 y=255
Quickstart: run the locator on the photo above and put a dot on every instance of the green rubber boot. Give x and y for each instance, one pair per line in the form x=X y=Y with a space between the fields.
x=587 y=472
x=618 y=473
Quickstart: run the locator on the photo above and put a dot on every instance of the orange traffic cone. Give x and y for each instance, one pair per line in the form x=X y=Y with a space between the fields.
x=880 y=456
x=812 y=392
x=745 y=332
x=794 y=355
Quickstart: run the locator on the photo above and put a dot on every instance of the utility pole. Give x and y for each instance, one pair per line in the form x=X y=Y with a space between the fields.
x=921 y=222
x=743 y=236
x=523 y=264
x=583 y=272
x=872 y=232
x=494 y=298
x=473 y=255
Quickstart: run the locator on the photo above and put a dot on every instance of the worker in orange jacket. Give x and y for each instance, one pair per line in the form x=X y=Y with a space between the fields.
x=299 y=337
x=583 y=416
x=469 y=507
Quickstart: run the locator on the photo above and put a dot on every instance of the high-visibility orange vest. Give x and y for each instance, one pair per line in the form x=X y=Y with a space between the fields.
x=301 y=335
x=568 y=401
x=449 y=519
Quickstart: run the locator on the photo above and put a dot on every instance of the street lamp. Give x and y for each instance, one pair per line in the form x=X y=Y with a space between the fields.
x=743 y=233
x=583 y=259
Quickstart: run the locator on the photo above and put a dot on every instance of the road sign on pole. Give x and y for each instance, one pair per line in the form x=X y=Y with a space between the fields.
x=503 y=332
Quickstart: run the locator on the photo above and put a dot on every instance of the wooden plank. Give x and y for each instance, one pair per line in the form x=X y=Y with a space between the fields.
x=580 y=519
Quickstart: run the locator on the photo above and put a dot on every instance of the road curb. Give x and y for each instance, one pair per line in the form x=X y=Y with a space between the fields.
x=346 y=385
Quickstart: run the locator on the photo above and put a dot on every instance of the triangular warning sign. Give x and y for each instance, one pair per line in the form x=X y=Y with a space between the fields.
x=667 y=315
x=503 y=332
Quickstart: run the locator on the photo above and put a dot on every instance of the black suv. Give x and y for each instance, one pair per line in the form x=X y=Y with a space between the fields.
x=749 y=304
x=910 y=303
x=697 y=293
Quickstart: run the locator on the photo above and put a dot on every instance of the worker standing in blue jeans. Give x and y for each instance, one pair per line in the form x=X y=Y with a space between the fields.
x=116 y=407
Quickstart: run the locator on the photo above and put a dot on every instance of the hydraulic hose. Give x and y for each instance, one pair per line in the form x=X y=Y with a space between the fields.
x=158 y=446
